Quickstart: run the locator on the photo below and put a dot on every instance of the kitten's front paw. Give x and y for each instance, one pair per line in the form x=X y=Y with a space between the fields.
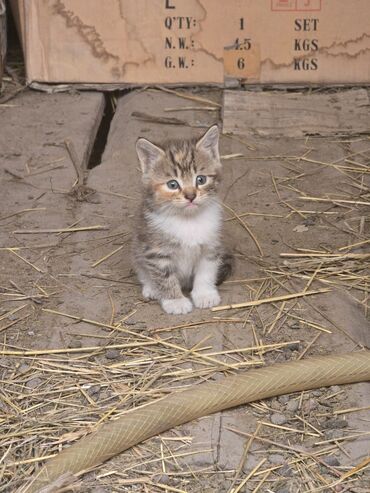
x=149 y=293
x=205 y=298
x=178 y=306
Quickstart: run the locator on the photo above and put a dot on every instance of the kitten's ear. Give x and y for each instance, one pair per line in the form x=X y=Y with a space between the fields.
x=209 y=143
x=148 y=154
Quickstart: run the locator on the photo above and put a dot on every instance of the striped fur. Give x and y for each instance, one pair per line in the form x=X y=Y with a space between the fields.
x=177 y=244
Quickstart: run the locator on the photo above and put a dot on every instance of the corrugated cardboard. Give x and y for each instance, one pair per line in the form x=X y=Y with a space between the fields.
x=196 y=41
x=2 y=38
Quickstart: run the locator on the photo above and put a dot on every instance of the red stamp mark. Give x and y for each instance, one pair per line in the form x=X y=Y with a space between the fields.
x=296 y=5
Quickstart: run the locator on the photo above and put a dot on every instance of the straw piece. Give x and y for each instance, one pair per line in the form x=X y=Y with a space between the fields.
x=269 y=300
x=59 y=230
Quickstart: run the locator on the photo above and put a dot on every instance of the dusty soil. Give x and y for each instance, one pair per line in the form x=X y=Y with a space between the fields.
x=95 y=347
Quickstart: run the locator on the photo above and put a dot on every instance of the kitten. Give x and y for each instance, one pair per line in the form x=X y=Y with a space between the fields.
x=177 y=244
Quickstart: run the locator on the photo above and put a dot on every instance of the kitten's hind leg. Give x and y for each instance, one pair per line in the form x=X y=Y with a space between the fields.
x=225 y=268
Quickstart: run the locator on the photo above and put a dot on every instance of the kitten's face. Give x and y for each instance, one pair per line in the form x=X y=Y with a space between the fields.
x=183 y=176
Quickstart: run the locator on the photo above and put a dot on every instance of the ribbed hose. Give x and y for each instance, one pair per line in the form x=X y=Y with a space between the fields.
x=200 y=400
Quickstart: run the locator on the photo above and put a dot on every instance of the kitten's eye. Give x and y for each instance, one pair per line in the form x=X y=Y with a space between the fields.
x=201 y=180
x=173 y=185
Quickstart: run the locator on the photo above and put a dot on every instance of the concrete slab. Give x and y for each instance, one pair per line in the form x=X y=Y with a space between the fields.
x=88 y=274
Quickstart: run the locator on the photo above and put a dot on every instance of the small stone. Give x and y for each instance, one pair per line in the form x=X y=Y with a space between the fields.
x=75 y=344
x=292 y=406
x=316 y=393
x=278 y=419
x=333 y=434
x=295 y=326
x=275 y=404
x=336 y=424
x=309 y=405
x=34 y=382
x=30 y=333
x=324 y=403
x=283 y=399
x=161 y=479
x=334 y=389
x=276 y=459
x=112 y=354
x=331 y=461
x=141 y=325
x=23 y=368
x=309 y=221
x=286 y=471
x=94 y=390
x=294 y=346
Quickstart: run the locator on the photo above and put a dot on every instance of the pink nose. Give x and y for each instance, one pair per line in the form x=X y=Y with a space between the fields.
x=190 y=196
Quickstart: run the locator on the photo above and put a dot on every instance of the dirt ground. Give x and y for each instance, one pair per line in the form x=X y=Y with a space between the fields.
x=80 y=346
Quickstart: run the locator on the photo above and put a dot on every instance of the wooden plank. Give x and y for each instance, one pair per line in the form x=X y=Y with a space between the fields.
x=2 y=39
x=296 y=114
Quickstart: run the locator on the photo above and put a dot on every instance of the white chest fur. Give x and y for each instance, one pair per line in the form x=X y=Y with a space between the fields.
x=193 y=231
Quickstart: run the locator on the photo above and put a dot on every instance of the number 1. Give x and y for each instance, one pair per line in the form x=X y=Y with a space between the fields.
x=242 y=23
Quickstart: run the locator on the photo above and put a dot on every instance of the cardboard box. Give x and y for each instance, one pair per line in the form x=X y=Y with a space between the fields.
x=2 y=39
x=129 y=42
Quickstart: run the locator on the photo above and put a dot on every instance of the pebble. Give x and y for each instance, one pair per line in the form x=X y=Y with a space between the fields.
x=23 y=368
x=286 y=471
x=112 y=354
x=283 y=399
x=34 y=382
x=276 y=459
x=335 y=388
x=295 y=326
x=161 y=479
x=93 y=390
x=75 y=344
x=275 y=404
x=309 y=221
x=278 y=419
x=141 y=325
x=335 y=423
x=292 y=406
x=309 y=405
x=331 y=461
x=332 y=434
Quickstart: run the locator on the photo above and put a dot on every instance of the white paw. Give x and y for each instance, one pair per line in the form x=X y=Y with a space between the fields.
x=177 y=306
x=149 y=293
x=206 y=298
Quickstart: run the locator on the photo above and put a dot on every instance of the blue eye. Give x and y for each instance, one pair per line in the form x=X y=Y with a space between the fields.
x=201 y=180
x=173 y=185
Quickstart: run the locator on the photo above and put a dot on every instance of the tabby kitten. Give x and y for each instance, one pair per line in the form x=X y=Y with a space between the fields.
x=177 y=244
